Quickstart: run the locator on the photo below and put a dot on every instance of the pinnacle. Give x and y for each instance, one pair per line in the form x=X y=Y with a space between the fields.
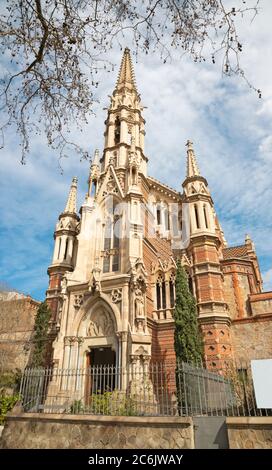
x=192 y=167
x=71 y=201
x=96 y=157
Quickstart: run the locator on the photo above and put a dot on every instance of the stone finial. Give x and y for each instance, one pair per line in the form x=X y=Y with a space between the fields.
x=249 y=242
x=192 y=167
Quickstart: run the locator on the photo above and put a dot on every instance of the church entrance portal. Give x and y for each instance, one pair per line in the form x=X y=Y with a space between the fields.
x=102 y=357
x=101 y=363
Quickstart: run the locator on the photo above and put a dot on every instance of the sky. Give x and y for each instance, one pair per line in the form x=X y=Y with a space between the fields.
x=227 y=122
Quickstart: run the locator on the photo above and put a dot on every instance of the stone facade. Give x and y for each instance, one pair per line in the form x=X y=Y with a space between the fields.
x=250 y=433
x=17 y=318
x=112 y=276
x=26 y=431
x=252 y=338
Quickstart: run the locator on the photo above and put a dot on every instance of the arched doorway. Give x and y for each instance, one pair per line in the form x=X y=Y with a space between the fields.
x=102 y=370
x=101 y=356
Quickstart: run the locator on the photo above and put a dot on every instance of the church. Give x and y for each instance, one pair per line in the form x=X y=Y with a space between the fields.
x=112 y=277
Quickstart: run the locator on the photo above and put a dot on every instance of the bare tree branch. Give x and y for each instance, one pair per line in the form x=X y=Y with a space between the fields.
x=54 y=51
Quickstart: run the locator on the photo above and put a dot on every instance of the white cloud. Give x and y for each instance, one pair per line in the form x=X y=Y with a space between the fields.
x=267 y=279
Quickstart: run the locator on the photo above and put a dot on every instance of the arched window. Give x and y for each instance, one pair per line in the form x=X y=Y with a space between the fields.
x=117 y=131
x=196 y=216
x=66 y=248
x=166 y=219
x=172 y=290
x=93 y=190
x=158 y=214
x=59 y=248
x=205 y=215
x=134 y=175
x=161 y=293
x=158 y=294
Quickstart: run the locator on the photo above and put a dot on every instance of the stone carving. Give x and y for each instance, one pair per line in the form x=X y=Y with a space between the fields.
x=94 y=284
x=139 y=303
x=64 y=285
x=138 y=276
x=116 y=295
x=69 y=340
x=101 y=324
x=140 y=325
x=78 y=300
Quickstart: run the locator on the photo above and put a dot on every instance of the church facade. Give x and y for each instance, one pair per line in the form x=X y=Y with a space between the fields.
x=112 y=276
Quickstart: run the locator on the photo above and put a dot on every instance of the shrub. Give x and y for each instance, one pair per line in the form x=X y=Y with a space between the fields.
x=76 y=407
x=10 y=380
x=6 y=404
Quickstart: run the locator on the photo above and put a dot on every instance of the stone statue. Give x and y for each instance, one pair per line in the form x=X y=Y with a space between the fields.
x=139 y=303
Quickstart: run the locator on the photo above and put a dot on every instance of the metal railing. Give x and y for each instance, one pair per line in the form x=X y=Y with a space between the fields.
x=156 y=389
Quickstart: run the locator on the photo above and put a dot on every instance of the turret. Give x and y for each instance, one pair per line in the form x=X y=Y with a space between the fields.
x=205 y=251
x=64 y=250
x=202 y=218
x=66 y=231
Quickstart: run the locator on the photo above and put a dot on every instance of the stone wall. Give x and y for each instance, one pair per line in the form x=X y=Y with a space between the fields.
x=43 y=431
x=261 y=304
x=252 y=338
x=250 y=433
x=17 y=318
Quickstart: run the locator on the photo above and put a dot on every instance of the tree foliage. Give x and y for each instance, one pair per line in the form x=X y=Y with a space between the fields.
x=53 y=52
x=187 y=337
x=40 y=336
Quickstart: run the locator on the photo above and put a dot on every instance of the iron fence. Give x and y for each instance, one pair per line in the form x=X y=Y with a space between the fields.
x=157 y=389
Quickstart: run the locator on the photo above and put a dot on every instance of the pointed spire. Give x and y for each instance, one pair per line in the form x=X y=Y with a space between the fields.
x=126 y=72
x=71 y=201
x=192 y=168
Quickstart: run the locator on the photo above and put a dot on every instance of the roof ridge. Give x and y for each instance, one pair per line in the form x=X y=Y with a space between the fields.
x=163 y=184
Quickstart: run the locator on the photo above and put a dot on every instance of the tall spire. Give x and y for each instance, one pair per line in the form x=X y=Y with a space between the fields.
x=126 y=73
x=192 y=168
x=71 y=201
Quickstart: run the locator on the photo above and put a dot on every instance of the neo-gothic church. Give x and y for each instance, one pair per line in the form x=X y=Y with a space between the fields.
x=112 y=277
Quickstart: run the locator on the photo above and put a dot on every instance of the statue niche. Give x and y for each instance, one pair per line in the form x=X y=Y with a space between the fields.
x=140 y=320
x=101 y=324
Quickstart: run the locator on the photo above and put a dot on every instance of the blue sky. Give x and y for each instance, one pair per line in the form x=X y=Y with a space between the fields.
x=232 y=134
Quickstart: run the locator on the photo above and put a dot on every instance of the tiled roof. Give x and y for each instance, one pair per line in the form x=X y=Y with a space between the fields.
x=235 y=252
x=159 y=183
